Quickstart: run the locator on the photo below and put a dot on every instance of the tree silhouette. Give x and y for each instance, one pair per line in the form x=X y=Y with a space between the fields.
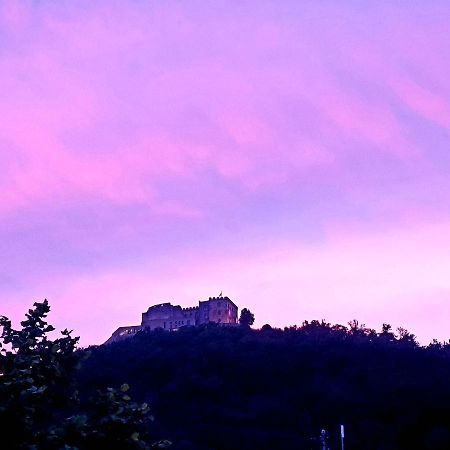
x=39 y=407
x=240 y=388
x=246 y=318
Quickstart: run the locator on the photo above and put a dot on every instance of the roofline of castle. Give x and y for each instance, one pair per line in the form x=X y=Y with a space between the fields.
x=222 y=298
x=127 y=327
x=191 y=308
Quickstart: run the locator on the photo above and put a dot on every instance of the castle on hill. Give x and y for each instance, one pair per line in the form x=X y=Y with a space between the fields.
x=172 y=317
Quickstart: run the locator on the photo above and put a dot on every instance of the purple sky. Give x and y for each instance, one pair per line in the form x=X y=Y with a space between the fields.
x=294 y=155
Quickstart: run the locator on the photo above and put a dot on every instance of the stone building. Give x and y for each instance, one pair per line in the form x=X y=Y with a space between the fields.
x=172 y=317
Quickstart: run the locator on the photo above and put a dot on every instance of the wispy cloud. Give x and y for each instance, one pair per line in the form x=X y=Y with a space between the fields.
x=136 y=132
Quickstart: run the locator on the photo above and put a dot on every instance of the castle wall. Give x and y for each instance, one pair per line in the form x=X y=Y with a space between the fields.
x=169 y=317
x=222 y=310
x=203 y=313
x=172 y=317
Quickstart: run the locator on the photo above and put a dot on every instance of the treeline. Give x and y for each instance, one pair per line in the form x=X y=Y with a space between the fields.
x=234 y=388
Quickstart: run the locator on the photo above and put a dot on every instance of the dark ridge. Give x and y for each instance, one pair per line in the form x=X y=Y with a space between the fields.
x=234 y=388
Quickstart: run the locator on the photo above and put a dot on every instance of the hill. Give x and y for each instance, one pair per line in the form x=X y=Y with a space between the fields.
x=234 y=388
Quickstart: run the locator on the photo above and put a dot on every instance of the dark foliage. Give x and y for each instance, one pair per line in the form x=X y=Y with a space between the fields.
x=234 y=388
x=247 y=318
x=39 y=407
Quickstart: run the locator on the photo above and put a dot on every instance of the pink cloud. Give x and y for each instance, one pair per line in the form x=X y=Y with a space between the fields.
x=221 y=89
x=15 y=15
x=424 y=102
x=298 y=151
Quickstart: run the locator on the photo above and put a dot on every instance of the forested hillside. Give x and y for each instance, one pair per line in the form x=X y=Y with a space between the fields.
x=234 y=388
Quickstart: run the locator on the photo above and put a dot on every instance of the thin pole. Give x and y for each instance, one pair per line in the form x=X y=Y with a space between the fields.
x=342 y=437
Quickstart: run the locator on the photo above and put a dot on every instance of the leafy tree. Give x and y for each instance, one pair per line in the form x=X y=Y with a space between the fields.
x=114 y=421
x=246 y=318
x=37 y=391
x=405 y=337
x=35 y=375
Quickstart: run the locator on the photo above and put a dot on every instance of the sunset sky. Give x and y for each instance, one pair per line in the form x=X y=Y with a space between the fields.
x=293 y=154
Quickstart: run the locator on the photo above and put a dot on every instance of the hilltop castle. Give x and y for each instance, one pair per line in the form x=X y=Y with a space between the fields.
x=172 y=317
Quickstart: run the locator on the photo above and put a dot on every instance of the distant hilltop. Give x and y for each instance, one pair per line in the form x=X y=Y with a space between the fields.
x=170 y=317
